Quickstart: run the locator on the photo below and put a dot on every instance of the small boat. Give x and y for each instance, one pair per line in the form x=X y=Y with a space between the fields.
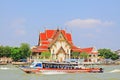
x=59 y=68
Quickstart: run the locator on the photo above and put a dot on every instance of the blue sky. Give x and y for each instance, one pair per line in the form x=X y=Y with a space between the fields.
x=91 y=22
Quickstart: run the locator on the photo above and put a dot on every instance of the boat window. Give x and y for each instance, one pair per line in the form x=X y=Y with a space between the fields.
x=33 y=64
x=39 y=65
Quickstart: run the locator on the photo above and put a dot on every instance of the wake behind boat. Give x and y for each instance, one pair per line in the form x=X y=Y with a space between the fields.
x=115 y=70
x=4 y=68
x=59 y=68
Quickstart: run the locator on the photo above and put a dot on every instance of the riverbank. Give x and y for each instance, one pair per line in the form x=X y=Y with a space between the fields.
x=15 y=63
x=26 y=63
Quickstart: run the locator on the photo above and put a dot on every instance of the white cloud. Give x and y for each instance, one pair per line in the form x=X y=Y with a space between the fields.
x=108 y=23
x=87 y=23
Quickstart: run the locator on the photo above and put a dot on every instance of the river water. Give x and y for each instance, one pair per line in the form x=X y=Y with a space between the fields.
x=10 y=72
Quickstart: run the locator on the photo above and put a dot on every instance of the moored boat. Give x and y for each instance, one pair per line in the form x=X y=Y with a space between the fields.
x=59 y=68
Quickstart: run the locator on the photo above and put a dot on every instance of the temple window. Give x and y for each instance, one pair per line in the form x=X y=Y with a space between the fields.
x=89 y=55
x=89 y=60
x=67 y=50
x=93 y=55
x=53 y=50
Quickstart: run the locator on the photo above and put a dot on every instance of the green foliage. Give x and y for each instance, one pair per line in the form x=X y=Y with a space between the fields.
x=25 y=50
x=45 y=55
x=16 y=53
x=83 y=55
x=1 y=51
x=114 y=56
x=79 y=55
x=5 y=51
x=107 y=54
x=75 y=54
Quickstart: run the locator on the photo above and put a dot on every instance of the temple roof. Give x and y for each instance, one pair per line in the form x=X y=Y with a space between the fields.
x=49 y=36
x=89 y=50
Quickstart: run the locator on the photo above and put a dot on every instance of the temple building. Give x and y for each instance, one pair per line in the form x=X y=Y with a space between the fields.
x=60 y=45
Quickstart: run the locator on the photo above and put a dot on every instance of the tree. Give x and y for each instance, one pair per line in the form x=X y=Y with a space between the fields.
x=107 y=54
x=25 y=50
x=45 y=55
x=1 y=51
x=5 y=51
x=21 y=52
x=75 y=54
x=83 y=55
x=114 y=56
x=16 y=54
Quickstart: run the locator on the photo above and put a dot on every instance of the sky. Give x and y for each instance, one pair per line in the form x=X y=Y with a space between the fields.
x=91 y=22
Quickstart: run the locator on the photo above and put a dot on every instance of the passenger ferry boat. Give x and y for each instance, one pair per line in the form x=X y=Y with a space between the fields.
x=59 y=68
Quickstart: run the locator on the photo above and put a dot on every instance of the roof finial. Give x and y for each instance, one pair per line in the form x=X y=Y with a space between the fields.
x=58 y=28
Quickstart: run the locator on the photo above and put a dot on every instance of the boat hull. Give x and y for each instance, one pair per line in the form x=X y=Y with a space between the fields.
x=61 y=71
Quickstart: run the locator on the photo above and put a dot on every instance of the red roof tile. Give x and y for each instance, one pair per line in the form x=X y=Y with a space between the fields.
x=45 y=42
x=87 y=50
x=76 y=49
x=40 y=49
x=53 y=34
x=42 y=36
x=50 y=33
x=63 y=32
x=69 y=38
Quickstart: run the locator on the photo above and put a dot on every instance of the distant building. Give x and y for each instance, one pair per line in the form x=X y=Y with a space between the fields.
x=92 y=53
x=59 y=43
x=118 y=53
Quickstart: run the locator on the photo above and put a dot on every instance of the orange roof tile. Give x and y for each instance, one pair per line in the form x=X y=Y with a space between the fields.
x=63 y=32
x=53 y=34
x=40 y=49
x=74 y=48
x=87 y=50
x=42 y=36
x=69 y=38
x=45 y=42
x=50 y=33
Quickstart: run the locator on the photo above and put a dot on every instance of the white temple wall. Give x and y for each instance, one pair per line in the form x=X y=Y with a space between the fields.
x=57 y=45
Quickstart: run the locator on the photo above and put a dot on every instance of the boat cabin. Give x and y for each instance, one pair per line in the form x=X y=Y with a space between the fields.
x=54 y=65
